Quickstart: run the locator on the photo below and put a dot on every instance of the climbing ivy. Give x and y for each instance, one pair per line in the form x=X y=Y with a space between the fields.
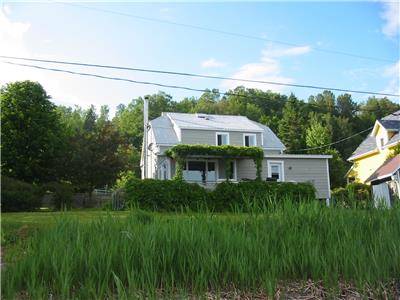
x=227 y=152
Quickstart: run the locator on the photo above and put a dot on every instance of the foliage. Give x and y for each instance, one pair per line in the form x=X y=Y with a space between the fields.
x=227 y=195
x=337 y=168
x=61 y=194
x=129 y=119
x=317 y=135
x=153 y=256
x=31 y=135
x=291 y=128
x=184 y=150
x=165 y=195
x=123 y=178
x=394 y=151
x=19 y=196
x=227 y=152
x=172 y=195
x=94 y=159
x=353 y=195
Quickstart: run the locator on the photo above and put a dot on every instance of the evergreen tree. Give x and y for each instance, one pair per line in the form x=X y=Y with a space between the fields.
x=291 y=128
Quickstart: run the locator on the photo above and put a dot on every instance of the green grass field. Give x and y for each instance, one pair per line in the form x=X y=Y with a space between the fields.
x=135 y=254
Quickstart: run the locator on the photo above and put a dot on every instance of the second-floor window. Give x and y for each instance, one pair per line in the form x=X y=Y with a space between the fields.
x=250 y=140
x=222 y=138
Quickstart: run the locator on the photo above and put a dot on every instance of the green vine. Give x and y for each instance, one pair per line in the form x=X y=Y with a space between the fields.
x=228 y=169
x=228 y=152
x=258 y=163
x=179 y=169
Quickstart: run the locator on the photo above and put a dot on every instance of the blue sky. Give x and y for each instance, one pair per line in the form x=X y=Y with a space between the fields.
x=66 y=32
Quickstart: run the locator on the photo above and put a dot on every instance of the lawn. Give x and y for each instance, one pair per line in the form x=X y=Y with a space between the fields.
x=136 y=254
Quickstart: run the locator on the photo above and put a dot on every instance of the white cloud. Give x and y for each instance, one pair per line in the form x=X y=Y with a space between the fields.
x=212 y=63
x=6 y=9
x=13 y=36
x=267 y=69
x=392 y=72
x=391 y=16
x=276 y=52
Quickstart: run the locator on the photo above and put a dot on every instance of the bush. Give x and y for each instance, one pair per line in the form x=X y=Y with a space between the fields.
x=17 y=195
x=165 y=195
x=353 y=195
x=62 y=194
x=228 y=195
x=172 y=195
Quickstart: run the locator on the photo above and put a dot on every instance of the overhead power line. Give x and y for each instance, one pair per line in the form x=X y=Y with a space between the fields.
x=230 y=33
x=194 y=75
x=337 y=142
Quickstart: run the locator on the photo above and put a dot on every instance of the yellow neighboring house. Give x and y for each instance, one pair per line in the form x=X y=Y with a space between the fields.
x=374 y=150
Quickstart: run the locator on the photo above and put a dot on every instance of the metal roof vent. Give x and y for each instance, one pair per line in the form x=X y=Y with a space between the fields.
x=202 y=116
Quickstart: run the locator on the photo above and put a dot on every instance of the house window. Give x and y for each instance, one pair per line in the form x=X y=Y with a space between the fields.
x=163 y=171
x=382 y=142
x=249 y=140
x=222 y=138
x=275 y=170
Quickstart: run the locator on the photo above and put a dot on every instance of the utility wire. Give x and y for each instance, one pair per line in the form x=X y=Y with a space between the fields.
x=235 y=34
x=155 y=84
x=337 y=142
x=195 y=75
x=175 y=87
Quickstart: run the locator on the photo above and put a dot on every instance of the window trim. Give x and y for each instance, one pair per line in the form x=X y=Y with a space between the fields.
x=222 y=133
x=282 y=163
x=249 y=134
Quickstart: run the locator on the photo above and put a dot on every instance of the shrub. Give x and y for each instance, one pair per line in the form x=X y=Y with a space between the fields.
x=353 y=195
x=165 y=195
x=62 y=194
x=173 y=195
x=123 y=179
x=17 y=195
x=227 y=194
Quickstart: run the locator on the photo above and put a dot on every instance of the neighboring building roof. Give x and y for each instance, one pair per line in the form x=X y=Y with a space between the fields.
x=213 y=122
x=164 y=133
x=394 y=139
x=366 y=146
x=390 y=123
x=387 y=169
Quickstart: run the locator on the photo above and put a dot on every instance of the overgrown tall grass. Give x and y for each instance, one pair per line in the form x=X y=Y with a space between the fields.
x=146 y=254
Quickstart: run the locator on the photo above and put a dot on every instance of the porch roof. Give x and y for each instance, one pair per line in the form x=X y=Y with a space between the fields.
x=388 y=168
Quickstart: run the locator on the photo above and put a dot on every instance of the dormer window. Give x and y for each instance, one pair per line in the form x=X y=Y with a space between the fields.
x=250 y=140
x=222 y=138
x=382 y=141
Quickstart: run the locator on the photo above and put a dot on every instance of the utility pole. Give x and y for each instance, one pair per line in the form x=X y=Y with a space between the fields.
x=145 y=124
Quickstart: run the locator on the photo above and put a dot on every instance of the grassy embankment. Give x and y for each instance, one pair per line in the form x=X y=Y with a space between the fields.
x=132 y=254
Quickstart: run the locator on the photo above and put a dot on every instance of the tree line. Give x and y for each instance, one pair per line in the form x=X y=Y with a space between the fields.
x=42 y=142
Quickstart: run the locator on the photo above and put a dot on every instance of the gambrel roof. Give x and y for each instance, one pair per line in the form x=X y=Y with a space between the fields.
x=166 y=127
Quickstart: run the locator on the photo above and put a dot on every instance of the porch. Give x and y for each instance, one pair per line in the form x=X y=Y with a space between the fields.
x=209 y=171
